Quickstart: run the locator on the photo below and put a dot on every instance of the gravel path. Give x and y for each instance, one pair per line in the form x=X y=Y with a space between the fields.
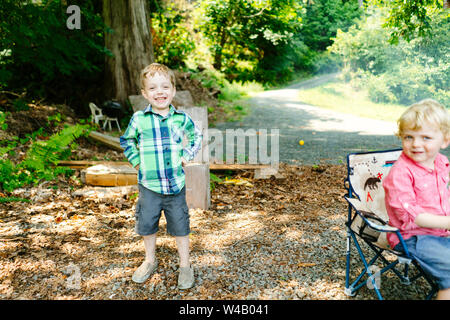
x=329 y=136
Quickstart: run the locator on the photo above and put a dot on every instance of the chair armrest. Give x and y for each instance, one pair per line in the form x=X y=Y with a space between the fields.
x=378 y=227
x=364 y=213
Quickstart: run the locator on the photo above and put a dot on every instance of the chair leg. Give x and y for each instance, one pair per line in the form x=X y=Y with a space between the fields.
x=348 y=290
x=371 y=276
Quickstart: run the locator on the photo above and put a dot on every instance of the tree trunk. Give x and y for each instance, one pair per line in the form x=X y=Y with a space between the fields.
x=131 y=44
x=361 y=3
x=446 y=4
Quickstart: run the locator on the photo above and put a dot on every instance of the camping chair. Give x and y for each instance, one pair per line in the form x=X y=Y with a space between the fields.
x=368 y=222
x=97 y=116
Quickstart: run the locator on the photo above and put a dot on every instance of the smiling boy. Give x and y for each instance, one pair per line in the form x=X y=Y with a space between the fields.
x=153 y=145
x=417 y=196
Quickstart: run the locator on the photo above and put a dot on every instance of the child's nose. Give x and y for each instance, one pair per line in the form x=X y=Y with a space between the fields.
x=416 y=142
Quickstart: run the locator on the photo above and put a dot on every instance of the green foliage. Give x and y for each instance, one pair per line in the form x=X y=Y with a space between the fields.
x=249 y=36
x=40 y=54
x=271 y=41
x=409 y=19
x=172 y=35
x=3 y=124
x=213 y=179
x=322 y=19
x=231 y=93
x=13 y=199
x=402 y=73
x=45 y=153
x=41 y=159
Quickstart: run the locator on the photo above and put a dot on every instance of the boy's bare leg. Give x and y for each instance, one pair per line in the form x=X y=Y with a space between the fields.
x=149 y=265
x=150 y=247
x=183 y=250
x=443 y=294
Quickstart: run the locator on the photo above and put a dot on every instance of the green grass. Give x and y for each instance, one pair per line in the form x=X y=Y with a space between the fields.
x=342 y=97
x=13 y=199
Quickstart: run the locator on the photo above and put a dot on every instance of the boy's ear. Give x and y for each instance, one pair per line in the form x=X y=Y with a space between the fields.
x=445 y=143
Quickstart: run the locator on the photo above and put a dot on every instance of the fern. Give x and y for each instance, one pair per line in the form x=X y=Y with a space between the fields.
x=213 y=179
x=43 y=154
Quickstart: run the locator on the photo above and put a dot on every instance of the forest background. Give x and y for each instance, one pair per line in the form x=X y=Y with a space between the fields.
x=396 y=52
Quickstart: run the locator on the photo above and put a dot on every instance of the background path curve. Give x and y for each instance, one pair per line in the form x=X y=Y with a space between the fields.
x=328 y=136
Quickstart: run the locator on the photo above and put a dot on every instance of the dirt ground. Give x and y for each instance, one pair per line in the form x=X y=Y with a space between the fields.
x=276 y=239
x=45 y=244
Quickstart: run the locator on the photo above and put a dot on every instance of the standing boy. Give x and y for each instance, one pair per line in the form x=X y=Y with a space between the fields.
x=153 y=145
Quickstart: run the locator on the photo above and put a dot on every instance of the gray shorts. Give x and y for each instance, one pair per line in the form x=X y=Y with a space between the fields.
x=148 y=212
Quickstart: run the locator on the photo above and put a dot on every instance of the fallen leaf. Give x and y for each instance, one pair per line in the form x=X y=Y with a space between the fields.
x=306 y=264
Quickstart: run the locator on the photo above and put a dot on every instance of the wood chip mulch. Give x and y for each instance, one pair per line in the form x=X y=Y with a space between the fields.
x=265 y=239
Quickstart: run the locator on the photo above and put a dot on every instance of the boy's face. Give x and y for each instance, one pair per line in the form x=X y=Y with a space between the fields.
x=159 y=91
x=423 y=145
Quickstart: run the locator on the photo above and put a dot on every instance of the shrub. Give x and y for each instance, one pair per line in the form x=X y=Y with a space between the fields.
x=172 y=40
x=39 y=54
x=403 y=73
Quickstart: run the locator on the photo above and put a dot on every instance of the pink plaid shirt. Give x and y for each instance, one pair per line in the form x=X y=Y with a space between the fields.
x=412 y=189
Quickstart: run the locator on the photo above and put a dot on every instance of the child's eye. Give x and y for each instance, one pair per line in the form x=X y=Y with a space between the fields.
x=407 y=137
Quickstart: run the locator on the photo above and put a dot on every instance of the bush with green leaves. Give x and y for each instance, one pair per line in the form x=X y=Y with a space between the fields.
x=172 y=34
x=247 y=39
x=39 y=54
x=404 y=73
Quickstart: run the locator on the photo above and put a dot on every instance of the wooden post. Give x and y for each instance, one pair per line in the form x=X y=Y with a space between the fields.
x=197 y=172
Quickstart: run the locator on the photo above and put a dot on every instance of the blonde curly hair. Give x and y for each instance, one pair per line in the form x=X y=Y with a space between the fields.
x=152 y=69
x=426 y=111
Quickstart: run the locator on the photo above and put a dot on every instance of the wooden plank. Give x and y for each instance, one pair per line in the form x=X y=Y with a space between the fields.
x=237 y=166
x=80 y=164
x=112 y=142
x=111 y=180
x=109 y=175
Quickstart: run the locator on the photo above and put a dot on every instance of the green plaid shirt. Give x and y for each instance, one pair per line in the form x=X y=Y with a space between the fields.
x=155 y=143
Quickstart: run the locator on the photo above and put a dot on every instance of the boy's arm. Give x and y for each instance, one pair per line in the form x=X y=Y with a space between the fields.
x=400 y=196
x=129 y=143
x=194 y=136
x=429 y=220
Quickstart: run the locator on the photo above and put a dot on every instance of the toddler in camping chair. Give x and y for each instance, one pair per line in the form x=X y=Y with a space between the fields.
x=417 y=198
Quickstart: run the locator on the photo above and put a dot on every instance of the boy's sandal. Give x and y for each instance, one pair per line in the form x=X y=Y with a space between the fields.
x=144 y=271
x=186 y=278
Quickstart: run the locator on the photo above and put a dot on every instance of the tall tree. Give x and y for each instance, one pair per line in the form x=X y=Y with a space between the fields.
x=130 y=42
x=410 y=18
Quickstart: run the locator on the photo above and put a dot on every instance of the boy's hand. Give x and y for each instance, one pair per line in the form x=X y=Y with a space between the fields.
x=137 y=167
x=183 y=162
